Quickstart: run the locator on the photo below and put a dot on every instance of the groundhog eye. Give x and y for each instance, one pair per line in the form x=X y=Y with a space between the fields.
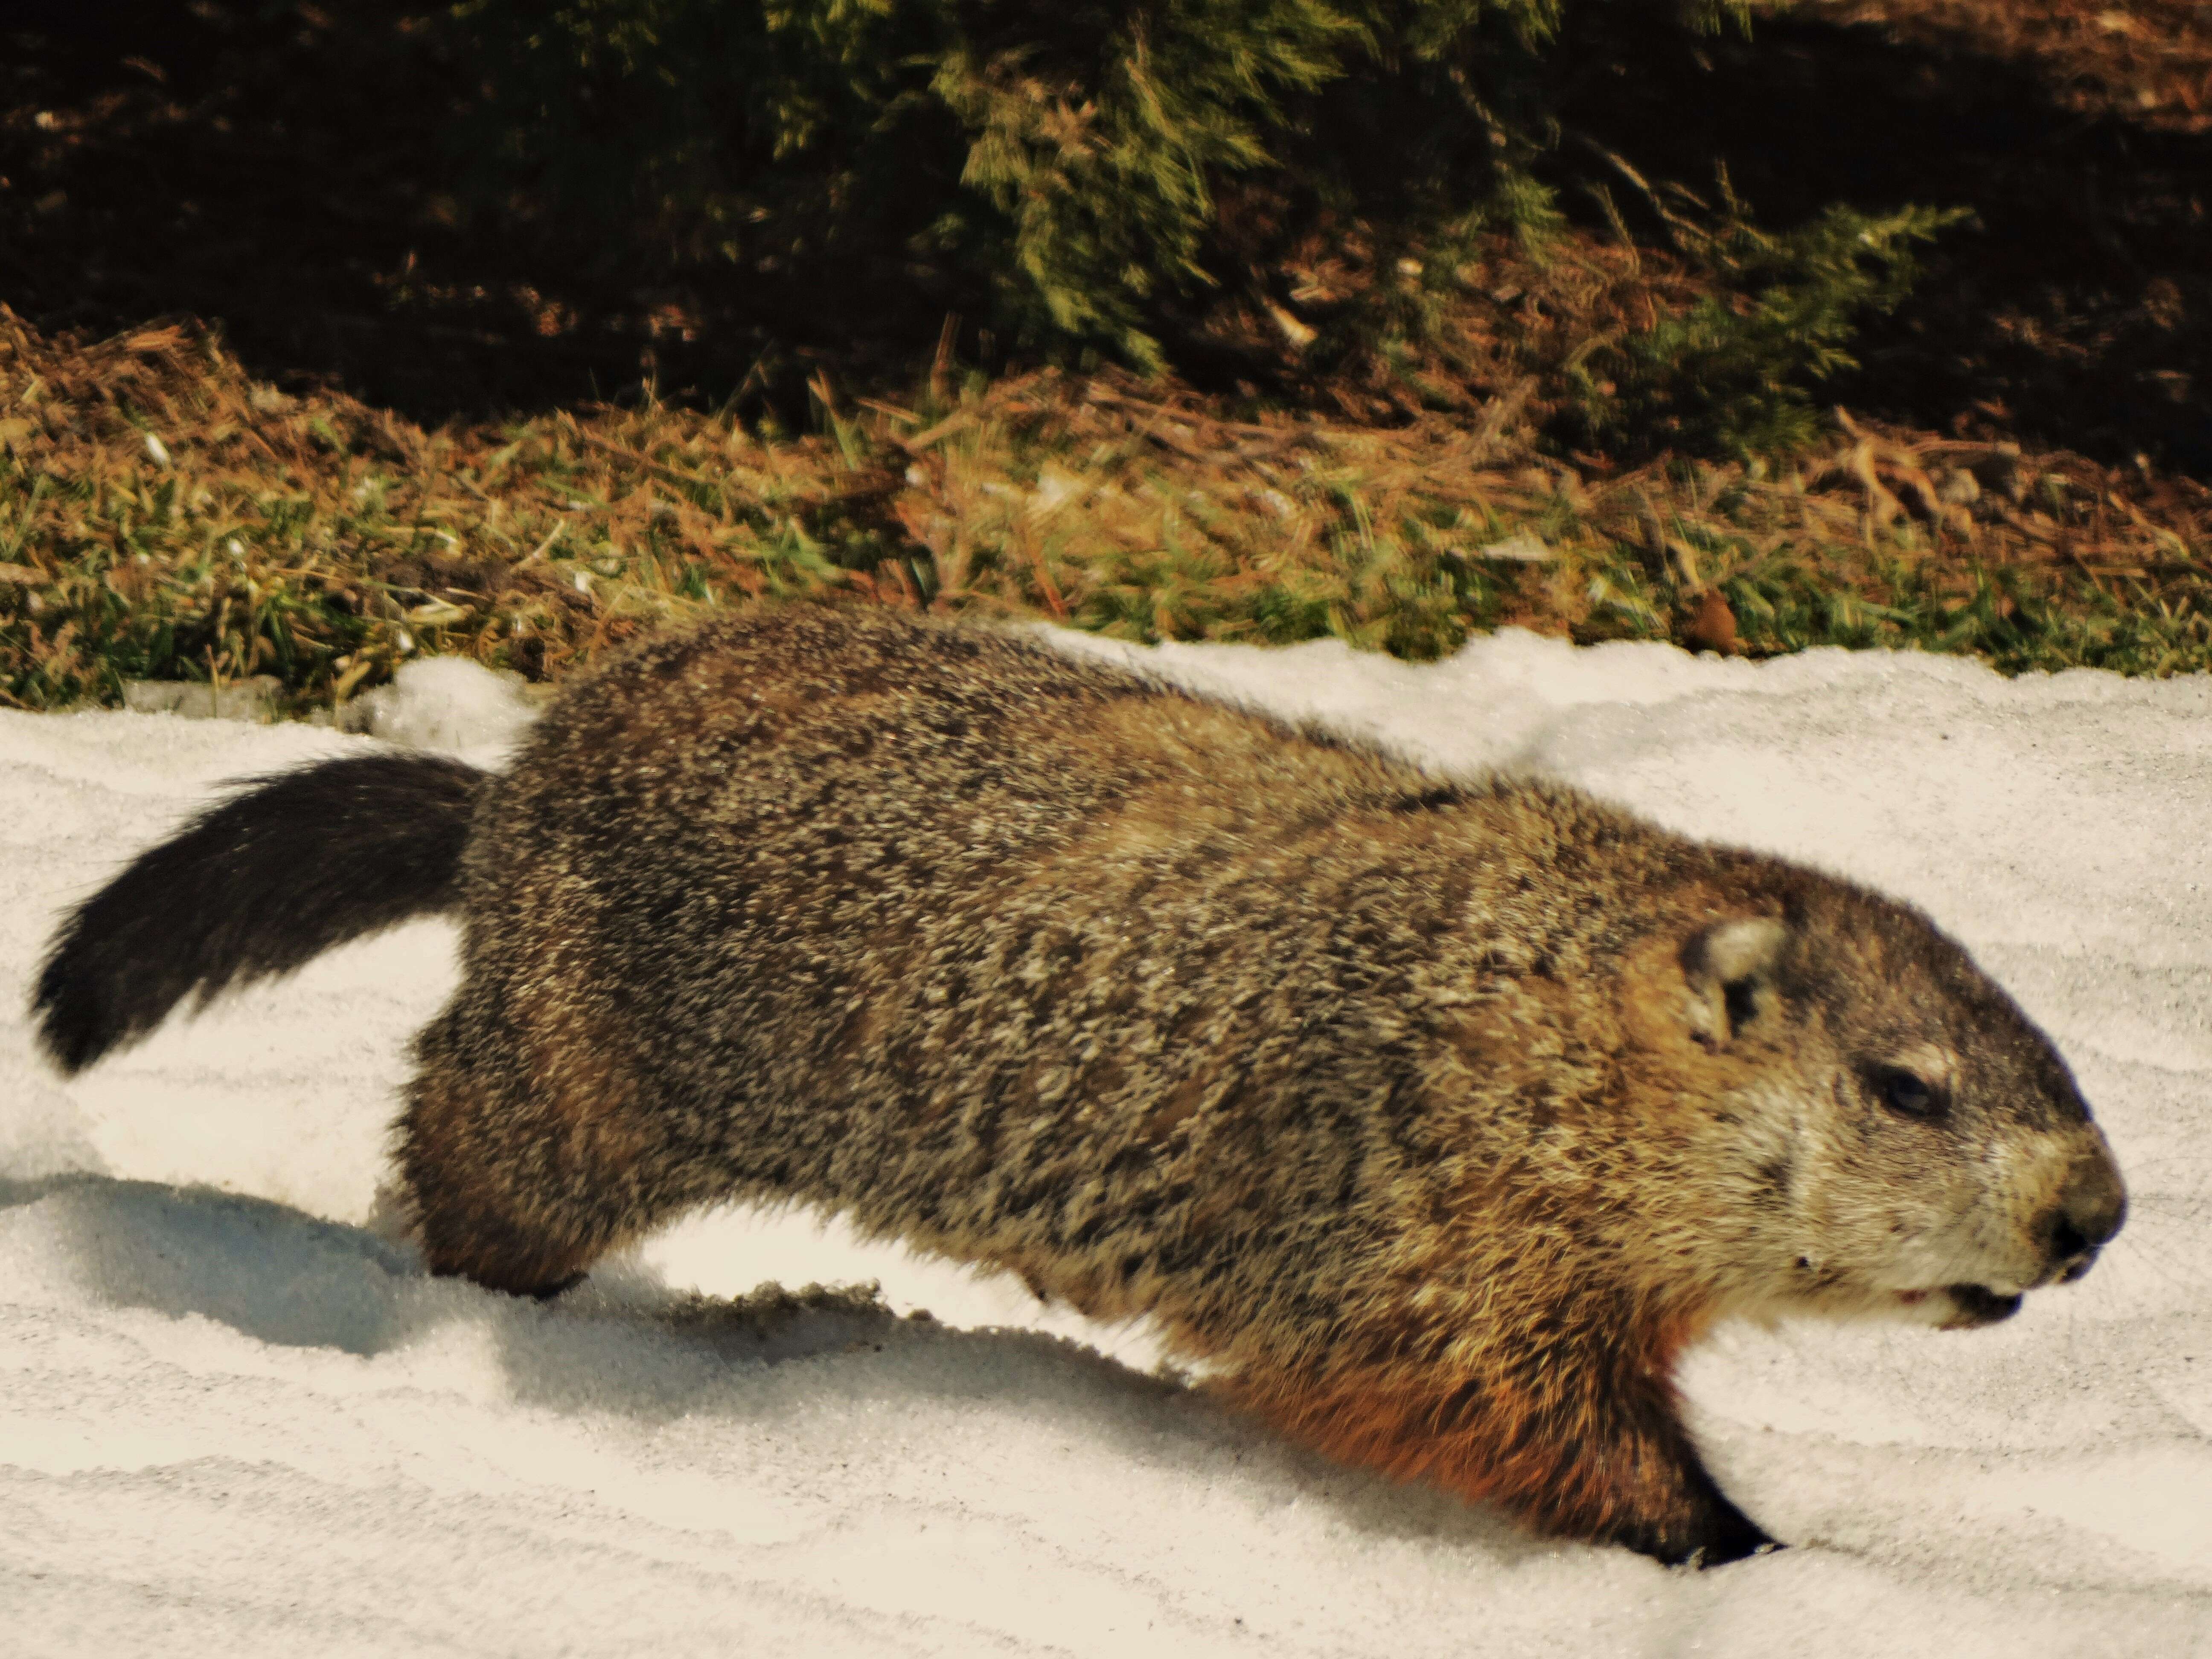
x=1906 y=1093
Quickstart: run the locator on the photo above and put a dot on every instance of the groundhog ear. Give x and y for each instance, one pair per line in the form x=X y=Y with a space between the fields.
x=1727 y=972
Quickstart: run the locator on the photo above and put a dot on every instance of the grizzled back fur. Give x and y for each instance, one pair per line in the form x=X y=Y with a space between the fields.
x=1437 y=1115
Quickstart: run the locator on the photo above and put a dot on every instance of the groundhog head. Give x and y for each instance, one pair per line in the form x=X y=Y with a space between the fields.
x=1898 y=1137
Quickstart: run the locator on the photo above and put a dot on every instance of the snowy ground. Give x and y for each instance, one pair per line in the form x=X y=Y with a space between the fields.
x=239 y=1421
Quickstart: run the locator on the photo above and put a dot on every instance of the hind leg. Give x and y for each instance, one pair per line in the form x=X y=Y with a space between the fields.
x=525 y=1163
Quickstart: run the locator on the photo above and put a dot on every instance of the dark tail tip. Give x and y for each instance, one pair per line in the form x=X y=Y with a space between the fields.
x=70 y=1027
x=255 y=886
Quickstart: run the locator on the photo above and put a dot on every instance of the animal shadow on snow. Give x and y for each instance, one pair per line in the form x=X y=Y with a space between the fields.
x=621 y=1343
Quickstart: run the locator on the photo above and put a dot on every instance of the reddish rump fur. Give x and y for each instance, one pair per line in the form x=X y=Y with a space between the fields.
x=1589 y=1446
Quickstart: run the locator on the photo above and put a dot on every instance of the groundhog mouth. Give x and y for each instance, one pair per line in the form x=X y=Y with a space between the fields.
x=1975 y=1306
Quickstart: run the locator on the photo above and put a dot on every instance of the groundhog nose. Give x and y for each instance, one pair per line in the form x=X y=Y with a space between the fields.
x=2092 y=1211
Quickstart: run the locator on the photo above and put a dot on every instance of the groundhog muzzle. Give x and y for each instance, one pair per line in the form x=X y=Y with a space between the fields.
x=1435 y=1115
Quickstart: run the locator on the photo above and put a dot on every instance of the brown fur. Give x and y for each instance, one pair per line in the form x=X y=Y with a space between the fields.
x=1437 y=1116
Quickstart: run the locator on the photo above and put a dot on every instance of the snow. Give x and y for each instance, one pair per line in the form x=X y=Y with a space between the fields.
x=239 y=1421
x=446 y=703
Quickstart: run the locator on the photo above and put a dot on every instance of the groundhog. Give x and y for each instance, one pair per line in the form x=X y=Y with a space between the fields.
x=1435 y=1115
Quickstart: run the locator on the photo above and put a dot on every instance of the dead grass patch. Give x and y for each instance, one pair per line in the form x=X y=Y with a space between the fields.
x=164 y=515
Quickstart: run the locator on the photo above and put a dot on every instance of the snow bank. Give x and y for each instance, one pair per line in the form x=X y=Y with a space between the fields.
x=447 y=703
x=239 y=1421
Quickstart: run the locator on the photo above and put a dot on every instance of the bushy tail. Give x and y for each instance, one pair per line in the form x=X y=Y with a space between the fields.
x=255 y=887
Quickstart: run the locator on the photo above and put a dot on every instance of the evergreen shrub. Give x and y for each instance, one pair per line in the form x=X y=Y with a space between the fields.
x=1056 y=170
x=1092 y=179
x=1735 y=372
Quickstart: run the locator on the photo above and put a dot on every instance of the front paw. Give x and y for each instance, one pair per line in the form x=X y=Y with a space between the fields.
x=1722 y=1535
x=1719 y=1555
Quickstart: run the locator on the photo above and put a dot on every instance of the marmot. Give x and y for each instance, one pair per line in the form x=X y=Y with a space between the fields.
x=1436 y=1115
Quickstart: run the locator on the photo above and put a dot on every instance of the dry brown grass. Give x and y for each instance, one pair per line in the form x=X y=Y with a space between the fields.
x=163 y=514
